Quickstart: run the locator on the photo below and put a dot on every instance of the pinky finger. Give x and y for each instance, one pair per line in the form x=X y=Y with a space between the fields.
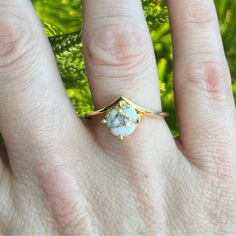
x=204 y=99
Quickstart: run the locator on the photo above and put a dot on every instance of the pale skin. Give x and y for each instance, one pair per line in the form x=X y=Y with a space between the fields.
x=63 y=175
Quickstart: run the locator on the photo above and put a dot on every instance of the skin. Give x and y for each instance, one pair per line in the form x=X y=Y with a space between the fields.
x=62 y=175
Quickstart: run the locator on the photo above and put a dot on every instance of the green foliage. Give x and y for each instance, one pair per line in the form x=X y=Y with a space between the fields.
x=60 y=16
x=227 y=15
x=156 y=14
x=68 y=52
x=62 y=20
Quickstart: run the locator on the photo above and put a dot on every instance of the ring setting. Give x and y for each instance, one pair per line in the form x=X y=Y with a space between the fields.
x=123 y=117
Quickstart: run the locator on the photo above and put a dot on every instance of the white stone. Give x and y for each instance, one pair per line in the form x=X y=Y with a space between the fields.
x=122 y=121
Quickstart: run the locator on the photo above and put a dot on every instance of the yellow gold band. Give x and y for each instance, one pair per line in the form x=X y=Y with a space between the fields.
x=140 y=110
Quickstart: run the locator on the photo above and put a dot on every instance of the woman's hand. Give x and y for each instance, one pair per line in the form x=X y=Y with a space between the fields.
x=60 y=175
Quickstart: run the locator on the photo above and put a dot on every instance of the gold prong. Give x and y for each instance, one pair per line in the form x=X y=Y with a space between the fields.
x=139 y=119
x=104 y=121
x=121 y=103
x=121 y=137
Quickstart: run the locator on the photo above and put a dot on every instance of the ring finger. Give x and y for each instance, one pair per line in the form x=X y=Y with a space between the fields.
x=119 y=57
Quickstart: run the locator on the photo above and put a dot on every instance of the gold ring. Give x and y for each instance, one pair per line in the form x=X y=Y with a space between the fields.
x=122 y=117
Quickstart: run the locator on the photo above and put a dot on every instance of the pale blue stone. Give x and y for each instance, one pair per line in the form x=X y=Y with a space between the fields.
x=116 y=122
x=113 y=113
x=111 y=117
x=131 y=113
x=124 y=130
x=120 y=125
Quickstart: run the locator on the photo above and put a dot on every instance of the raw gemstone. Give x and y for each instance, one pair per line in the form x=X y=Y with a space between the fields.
x=122 y=120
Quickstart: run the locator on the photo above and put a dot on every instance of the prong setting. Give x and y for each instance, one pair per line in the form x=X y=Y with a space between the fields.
x=122 y=119
x=104 y=121
x=121 y=137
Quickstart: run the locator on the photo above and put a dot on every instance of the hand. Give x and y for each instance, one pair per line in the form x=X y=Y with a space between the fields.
x=60 y=175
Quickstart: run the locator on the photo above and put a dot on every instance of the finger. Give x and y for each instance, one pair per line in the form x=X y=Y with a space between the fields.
x=119 y=54
x=35 y=113
x=120 y=59
x=204 y=101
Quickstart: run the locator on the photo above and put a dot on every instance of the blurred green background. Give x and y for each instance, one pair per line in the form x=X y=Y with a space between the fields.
x=62 y=20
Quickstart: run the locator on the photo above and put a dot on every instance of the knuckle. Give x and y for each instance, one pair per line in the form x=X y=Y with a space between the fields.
x=117 y=47
x=199 y=13
x=211 y=78
x=17 y=40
